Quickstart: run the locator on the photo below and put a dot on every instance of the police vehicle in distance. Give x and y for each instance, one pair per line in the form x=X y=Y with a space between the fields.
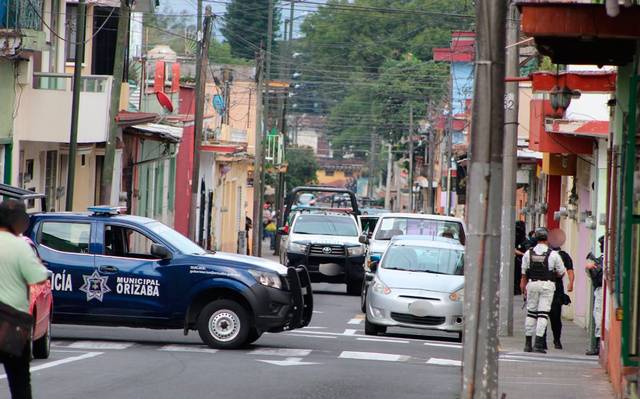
x=122 y=270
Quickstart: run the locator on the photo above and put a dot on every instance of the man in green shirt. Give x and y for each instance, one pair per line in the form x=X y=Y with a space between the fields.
x=19 y=268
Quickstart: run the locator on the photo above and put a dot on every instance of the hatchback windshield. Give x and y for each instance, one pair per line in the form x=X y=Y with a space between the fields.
x=424 y=259
x=397 y=226
x=326 y=225
x=182 y=243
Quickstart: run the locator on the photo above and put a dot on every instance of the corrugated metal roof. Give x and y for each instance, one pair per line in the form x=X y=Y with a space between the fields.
x=169 y=132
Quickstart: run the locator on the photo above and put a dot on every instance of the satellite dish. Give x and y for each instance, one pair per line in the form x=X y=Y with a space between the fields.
x=164 y=101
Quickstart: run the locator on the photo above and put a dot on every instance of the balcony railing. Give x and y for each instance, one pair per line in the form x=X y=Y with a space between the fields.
x=21 y=14
x=64 y=82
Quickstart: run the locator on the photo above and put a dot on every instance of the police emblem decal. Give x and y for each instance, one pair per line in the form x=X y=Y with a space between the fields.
x=95 y=286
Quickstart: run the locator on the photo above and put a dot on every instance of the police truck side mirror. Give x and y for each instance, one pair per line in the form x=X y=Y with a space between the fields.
x=161 y=251
x=363 y=239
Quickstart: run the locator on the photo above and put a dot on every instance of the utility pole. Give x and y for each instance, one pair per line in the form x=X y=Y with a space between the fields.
x=106 y=181
x=201 y=86
x=387 y=191
x=448 y=157
x=257 y=224
x=482 y=256
x=507 y=240
x=258 y=158
x=75 y=105
x=372 y=163
x=432 y=194
x=410 y=157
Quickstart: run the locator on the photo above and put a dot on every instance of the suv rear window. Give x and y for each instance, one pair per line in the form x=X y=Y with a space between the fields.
x=66 y=237
x=398 y=226
x=326 y=225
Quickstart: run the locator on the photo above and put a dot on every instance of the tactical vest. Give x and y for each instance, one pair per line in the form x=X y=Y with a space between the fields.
x=539 y=266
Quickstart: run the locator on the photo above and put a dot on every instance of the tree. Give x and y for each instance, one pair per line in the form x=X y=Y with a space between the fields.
x=245 y=26
x=363 y=68
x=302 y=167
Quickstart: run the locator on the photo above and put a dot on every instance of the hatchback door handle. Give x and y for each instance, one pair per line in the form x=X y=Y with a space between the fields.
x=108 y=269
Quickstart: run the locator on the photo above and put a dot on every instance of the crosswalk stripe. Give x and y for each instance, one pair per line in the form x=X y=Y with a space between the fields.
x=396 y=341
x=349 y=331
x=443 y=345
x=187 y=348
x=444 y=362
x=385 y=357
x=101 y=345
x=312 y=336
x=354 y=321
x=281 y=352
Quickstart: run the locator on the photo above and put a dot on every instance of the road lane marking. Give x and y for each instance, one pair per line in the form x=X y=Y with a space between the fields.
x=312 y=327
x=318 y=312
x=396 y=341
x=457 y=346
x=444 y=362
x=99 y=345
x=281 y=352
x=290 y=361
x=312 y=336
x=60 y=362
x=354 y=321
x=349 y=331
x=188 y=348
x=385 y=357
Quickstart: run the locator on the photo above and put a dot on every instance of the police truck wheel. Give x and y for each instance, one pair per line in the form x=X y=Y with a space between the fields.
x=224 y=324
x=41 y=348
x=373 y=329
x=254 y=335
x=353 y=287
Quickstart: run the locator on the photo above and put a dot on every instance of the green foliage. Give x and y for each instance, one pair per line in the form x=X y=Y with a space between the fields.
x=365 y=69
x=179 y=33
x=245 y=26
x=302 y=167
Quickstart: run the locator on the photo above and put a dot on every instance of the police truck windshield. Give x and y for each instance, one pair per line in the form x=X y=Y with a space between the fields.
x=182 y=243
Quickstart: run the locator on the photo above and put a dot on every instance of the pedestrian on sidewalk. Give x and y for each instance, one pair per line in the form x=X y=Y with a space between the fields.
x=594 y=268
x=521 y=248
x=540 y=266
x=19 y=268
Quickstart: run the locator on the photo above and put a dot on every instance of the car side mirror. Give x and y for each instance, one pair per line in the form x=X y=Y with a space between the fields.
x=373 y=266
x=284 y=230
x=363 y=239
x=374 y=260
x=161 y=251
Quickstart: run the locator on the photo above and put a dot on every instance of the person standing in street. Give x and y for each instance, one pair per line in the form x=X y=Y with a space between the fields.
x=19 y=268
x=521 y=248
x=560 y=298
x=540 y=266
x=595 y=270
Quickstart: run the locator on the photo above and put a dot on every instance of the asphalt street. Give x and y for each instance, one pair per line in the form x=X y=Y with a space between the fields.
x=332 y=358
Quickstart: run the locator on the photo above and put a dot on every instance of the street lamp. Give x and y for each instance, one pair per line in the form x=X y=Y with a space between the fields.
x=561 y=97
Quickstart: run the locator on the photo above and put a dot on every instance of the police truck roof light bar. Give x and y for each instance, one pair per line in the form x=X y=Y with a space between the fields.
x=105 y=210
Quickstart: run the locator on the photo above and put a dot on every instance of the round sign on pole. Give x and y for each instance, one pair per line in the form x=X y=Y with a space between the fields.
x=218 y=104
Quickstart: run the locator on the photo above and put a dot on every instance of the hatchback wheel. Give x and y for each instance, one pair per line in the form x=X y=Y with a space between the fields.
x=224 y=324
x=373 y=329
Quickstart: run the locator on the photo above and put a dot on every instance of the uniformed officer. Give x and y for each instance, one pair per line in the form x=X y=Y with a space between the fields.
x=540 y=266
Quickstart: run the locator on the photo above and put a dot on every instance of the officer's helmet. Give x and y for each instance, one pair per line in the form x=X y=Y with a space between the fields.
x=541 y=234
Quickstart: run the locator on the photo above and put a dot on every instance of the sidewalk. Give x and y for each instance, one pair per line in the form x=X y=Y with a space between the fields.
x=559 y=374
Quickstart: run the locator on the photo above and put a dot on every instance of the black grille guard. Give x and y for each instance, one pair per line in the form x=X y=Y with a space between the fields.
x=301 y=296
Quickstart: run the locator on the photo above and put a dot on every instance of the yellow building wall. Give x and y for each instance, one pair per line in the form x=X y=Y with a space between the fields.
x=337 y=179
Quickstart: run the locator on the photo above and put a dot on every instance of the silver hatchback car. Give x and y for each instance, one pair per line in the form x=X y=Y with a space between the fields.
x=418 y=283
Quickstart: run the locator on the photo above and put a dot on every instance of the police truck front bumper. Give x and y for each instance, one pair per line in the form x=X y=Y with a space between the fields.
x=286 y=309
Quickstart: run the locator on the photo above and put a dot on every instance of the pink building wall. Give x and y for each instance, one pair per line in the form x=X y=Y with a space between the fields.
x=184 y=167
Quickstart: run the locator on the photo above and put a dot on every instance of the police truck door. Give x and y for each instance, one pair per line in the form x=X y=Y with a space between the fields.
x=137 y=282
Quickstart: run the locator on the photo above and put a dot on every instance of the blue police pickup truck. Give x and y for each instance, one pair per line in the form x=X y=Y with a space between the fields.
x=121 y=270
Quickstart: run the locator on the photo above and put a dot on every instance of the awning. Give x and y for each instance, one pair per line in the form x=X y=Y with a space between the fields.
x=126 y=118
x=583 y=128
x=525 y=153
x=163 y=132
